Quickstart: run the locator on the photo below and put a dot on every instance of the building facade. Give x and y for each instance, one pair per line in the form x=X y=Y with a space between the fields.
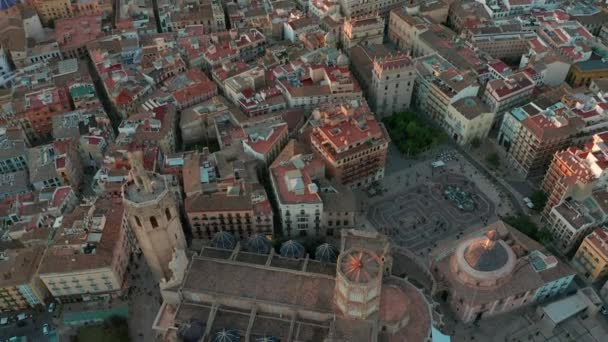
x=591 y=258
x=392 y=85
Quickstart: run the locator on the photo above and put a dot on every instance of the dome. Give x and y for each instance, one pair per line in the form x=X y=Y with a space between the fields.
x=258 y=243
x=360 y=266
x=224 y=240
x=486 y=255
x=342 y=60
x=266 y=338
x=227 y=335
x=191 y=332
x=6 y=4
x=326 y=253
x=292 y=249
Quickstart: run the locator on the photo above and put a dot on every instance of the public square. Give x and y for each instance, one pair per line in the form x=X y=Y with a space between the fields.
x=414 y=209
x=421 y=215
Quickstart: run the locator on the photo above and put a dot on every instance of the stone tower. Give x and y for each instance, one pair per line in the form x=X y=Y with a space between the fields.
x=154 y=217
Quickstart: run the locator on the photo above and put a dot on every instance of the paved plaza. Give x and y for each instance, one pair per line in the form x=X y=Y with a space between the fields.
x=419 y=216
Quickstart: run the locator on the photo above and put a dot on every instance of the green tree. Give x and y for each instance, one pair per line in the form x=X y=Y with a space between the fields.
x=493 y=160
x=113 y=329
x=539 y=199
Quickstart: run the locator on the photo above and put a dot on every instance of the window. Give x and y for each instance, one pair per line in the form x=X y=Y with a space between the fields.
x=153 y=222
x=137 y=220
x=168 y=213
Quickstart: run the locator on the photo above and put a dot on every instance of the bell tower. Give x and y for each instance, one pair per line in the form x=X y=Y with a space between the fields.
x=153 y=214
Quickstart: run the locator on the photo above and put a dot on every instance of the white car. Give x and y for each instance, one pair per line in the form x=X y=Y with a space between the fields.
x=46 y=329
x=529 y=203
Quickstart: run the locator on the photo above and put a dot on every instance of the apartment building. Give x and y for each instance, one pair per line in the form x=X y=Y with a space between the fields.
x=155 y=126
x=503 y=94
x=90 y=260
x=224 y=194
x=382 y=8
x=307 y=201
x=509 y=40
x=321 y=84
x=576 y=172
x=352 y=144
x=539 y=137
x=13 y=155
x=366 y=30
x=439 y=84
x=582 y=73
x=74 y=33
x=91 y=128
x=573 y=219
x=20 y=288
x=591 y=258
x=49 y=10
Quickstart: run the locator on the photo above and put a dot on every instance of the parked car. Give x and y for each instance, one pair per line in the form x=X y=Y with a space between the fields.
x=51 y=307
x=46 y=329
x=529 y=203
x=604 y=311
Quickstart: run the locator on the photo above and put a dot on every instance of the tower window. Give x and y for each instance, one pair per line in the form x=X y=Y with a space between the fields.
x=168 y=213
x=153 y=222
x=137 y=220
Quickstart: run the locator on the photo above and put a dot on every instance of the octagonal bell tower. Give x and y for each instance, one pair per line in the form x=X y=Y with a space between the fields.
x=153 y=214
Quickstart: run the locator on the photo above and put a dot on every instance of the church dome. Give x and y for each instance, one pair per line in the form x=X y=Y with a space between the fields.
x=486 y=255
x=191 y=332
x=227 y=335
x=258 y=243
x=484 y=261
x=224 y=240
x=292 y=249
x=343 y=60
x=326 y=253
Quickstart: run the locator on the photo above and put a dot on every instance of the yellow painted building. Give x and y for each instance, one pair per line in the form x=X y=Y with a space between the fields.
x=582 y=73
x=591 y=258
x=20 y=288
x=53 y=9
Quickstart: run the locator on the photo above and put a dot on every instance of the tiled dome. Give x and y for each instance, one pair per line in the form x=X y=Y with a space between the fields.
x=258 y=243
x=224 y=240
x=326 y=253
x=292 y=249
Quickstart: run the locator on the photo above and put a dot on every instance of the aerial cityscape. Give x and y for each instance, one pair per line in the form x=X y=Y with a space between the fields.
x=304 y=170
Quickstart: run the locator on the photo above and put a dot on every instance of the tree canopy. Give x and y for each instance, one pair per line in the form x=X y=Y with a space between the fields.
x=412 y=135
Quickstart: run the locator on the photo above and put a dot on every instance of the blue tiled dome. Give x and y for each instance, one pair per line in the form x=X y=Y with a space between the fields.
x=292 y=249
x=224 y=240
x=191 y=332
x=258 y=243
x=6 y=4
x=326 y=253
x=267 y=338
x=227 y=335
